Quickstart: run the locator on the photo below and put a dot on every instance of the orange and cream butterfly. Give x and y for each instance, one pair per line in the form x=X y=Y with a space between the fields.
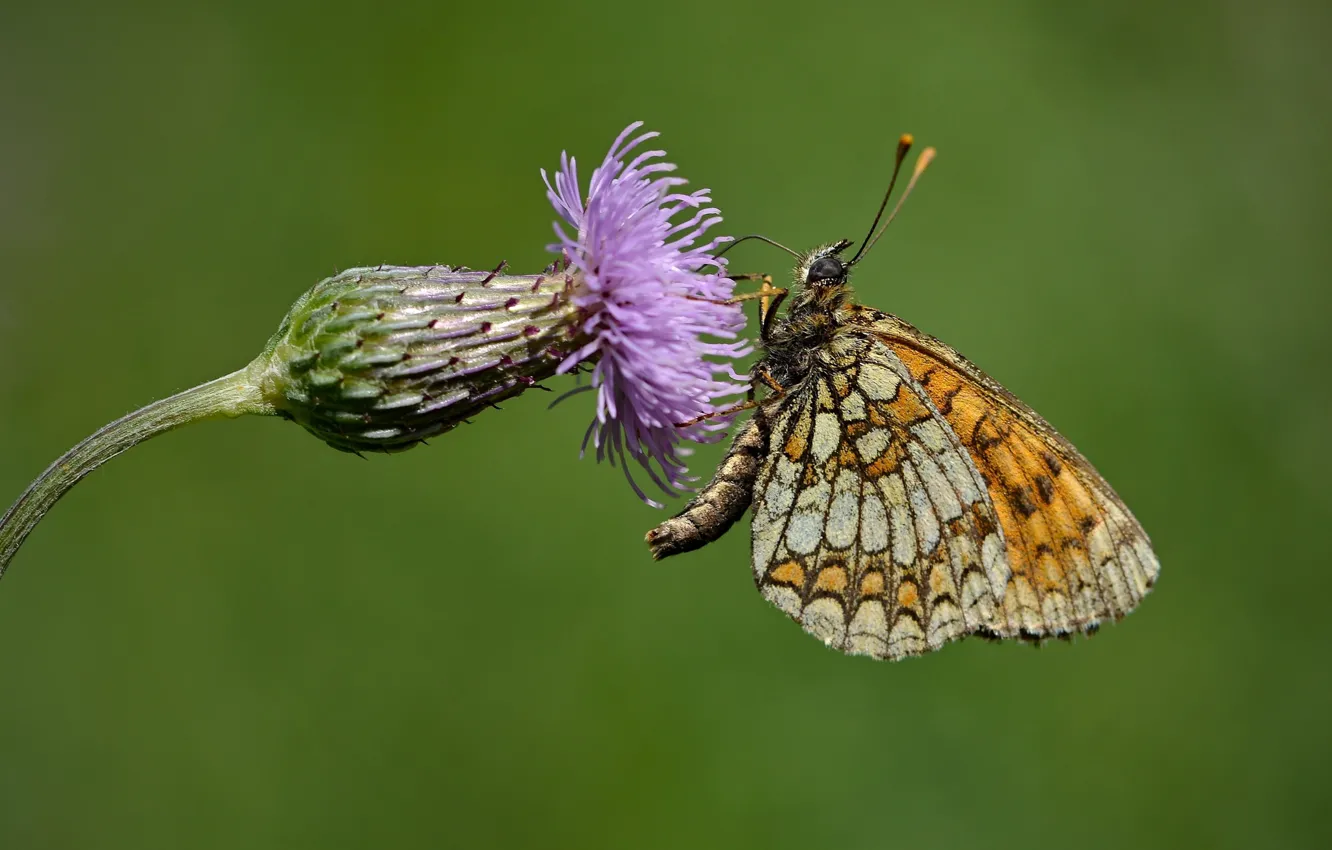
x=901 y=497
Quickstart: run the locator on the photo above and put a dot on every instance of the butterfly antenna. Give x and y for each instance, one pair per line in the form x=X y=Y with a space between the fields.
x=922 y=163
x=761 y=239
x=903 y=145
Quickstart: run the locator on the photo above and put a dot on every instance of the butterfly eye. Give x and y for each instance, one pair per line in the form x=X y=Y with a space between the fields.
x=825 y=268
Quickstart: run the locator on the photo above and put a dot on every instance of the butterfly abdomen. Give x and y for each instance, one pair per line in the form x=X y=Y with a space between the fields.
x=716 y=508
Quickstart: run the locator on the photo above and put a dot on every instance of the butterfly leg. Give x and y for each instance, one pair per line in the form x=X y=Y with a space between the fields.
x=765 y=291
x=717 y=414
x=717 y=506
x=749 y=404
x=766 y=377
x=770 y=298
x=768 y=314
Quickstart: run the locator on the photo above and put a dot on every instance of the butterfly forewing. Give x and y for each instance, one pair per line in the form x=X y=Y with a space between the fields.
x=1077 y=555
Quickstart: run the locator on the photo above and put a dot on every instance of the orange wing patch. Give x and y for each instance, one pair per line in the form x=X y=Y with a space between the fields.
x=1077 y=556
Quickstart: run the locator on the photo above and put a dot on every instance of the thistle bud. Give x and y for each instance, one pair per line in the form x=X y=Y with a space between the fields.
x=379 y=359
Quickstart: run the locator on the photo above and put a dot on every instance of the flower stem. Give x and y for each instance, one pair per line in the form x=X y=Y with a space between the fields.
x=227 y=397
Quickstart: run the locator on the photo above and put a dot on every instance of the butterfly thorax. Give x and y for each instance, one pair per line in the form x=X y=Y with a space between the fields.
x=818 y=311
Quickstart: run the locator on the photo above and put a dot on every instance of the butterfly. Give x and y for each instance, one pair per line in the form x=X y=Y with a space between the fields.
x=901 y=497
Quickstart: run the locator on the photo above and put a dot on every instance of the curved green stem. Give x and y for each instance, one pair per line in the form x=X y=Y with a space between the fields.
x=227 y=397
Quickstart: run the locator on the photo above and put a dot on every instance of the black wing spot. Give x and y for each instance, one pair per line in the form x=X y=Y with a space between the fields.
x=1045 y=487
x=1022 y=501
x=1052 y=463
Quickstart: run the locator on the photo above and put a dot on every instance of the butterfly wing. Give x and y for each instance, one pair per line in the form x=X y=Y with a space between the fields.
x=1077 y=554
x=871 y=526
x=906 y=500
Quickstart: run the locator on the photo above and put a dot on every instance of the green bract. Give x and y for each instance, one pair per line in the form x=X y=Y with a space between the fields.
x=378 y=359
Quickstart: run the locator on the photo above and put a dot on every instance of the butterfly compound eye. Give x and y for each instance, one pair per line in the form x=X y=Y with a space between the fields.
x=825 y=268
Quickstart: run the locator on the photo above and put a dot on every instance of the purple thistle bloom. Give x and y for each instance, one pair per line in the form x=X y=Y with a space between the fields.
x=662 y=355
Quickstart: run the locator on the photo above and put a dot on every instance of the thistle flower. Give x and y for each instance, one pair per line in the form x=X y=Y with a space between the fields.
x=652 y=296
x=379 y=359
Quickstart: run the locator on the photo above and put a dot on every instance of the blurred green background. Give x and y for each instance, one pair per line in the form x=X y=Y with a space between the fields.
x=235 y=637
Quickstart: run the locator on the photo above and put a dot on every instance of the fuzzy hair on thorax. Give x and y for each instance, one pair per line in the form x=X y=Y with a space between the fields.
x=814 y=315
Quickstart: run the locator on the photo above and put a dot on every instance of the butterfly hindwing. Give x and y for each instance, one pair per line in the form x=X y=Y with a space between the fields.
x=871 y=526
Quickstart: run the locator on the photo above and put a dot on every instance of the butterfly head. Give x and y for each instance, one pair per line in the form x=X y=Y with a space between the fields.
x=820 y=281
x=824 y=267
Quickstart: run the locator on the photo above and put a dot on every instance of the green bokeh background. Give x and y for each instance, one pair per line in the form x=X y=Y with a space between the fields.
x=235 y=637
